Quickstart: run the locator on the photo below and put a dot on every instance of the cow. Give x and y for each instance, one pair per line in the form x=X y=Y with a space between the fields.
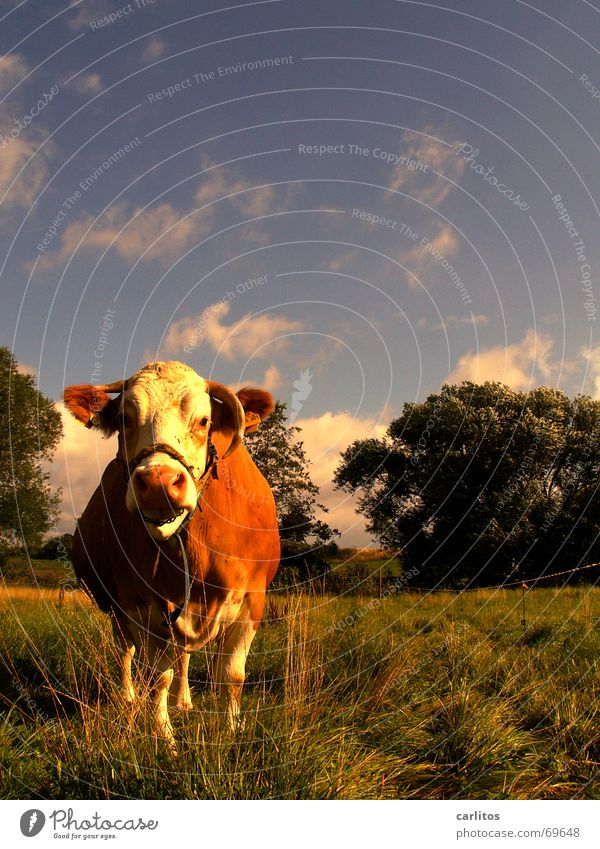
x=179 y=542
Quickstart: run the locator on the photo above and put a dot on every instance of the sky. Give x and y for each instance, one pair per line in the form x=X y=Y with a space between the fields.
x=347 y=203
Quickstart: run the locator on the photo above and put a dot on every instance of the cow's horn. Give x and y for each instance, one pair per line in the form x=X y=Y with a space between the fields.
x=117 y=386
x=231 y=401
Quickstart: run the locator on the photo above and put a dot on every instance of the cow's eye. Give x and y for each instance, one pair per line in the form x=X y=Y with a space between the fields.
x=126 y=420
x=201 y=425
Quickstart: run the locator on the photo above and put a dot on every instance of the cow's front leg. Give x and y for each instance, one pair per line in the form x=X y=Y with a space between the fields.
x=230 y=666
x=181 y=686
x=162 y=679
x=126 y=650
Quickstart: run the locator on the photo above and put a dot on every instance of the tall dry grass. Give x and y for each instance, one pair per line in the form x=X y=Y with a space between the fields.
x=415 y=696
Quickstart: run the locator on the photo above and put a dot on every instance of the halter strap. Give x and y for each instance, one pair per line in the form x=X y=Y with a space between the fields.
x=162 y=448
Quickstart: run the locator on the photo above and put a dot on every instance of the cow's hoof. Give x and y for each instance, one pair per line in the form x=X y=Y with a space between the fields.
x=166 y=738
x=234 y=727
x=184 y=705
x=168 y=746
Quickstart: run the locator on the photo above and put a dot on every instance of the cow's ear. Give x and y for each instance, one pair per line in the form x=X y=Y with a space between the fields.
x=227 y=415
x=256 y=401
x=92 y=407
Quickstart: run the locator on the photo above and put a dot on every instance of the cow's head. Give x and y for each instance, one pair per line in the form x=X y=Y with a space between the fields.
x=166 y=417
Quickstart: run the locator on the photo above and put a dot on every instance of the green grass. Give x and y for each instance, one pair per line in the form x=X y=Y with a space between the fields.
x=438 y=696
x=23 y=571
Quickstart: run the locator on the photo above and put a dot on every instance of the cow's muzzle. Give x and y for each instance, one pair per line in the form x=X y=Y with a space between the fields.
x=164 y=492
x=162 y=489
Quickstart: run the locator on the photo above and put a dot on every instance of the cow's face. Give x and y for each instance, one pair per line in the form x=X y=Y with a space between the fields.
x=164 y=415
x=171 y=414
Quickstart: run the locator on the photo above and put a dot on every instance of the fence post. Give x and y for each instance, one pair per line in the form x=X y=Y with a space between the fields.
x=524 y=589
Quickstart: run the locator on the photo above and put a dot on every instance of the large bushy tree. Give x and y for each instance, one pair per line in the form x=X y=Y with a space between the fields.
x=280 y=456
x=30 y=428
x=480 y=483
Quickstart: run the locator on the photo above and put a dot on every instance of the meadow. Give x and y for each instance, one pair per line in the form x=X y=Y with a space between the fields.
x=412 y=696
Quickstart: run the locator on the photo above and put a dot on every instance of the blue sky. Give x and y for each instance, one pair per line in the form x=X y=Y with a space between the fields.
x=384 y=196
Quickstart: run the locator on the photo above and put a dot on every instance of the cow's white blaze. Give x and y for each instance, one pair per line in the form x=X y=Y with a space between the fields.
x=166 y=406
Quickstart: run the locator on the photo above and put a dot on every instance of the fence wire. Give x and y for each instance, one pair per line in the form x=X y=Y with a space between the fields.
x=524 y=583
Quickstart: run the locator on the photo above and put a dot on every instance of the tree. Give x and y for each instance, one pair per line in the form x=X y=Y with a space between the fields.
x=479 y=483
x=57 y=548
x=281 y=458
x=30 y=428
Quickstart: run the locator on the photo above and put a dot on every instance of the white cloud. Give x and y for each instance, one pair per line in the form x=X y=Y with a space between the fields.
x=272 y=379
x=437 y=156
x=250 y=336
x=592 y=361
x=17 y=153
x=257 y=202
x=161 y=233
x=345 y=261
x=217 y=183
x=520 y=365
x=79 y=462
x=437 y=250
x=25 y=368
x=324 y=438
x=86 y=12
x=21 y=134
x=87 y=83
x=154 y=48
x=13 y=67
x=445 y=242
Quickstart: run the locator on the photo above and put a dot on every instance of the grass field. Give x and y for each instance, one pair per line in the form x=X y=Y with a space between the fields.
x=438 y=696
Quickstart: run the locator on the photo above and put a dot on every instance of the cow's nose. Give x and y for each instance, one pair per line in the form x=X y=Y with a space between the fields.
x=159 y=486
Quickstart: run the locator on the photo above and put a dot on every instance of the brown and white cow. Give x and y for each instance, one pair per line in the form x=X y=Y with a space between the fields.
x=179 y=542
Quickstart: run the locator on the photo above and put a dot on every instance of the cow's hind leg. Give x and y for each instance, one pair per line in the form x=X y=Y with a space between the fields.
x=230 y=667
x=126 y=650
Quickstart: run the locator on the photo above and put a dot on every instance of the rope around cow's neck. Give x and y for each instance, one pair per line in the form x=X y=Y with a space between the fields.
x=175 y=614
x=211 y=466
